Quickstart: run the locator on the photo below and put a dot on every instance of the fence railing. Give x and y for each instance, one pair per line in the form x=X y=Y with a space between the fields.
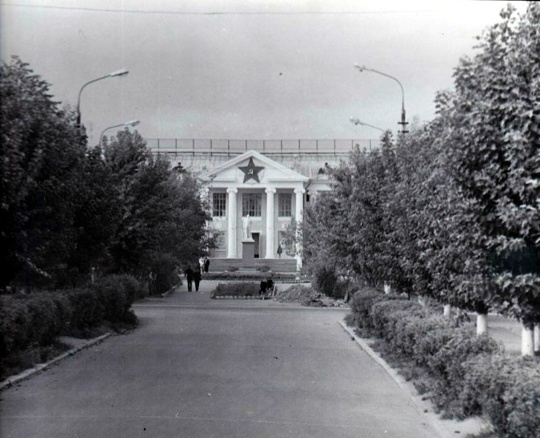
x=182 y=146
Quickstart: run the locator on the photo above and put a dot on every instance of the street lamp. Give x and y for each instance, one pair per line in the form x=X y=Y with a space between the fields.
x=122 y=72
x=130 y=123
x=403 y=121
x=358 y=122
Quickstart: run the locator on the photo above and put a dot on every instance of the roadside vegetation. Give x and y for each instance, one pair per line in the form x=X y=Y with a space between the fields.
x=446 y=220
x=84 y=229
x=462 y=374
x=449 y=211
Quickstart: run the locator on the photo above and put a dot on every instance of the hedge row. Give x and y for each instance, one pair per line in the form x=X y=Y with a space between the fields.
x=37 y=319
x=472 y=375
x=236 y=290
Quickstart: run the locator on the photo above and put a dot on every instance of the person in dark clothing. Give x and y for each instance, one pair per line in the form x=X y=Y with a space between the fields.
x=189 y=277
x=197 y=277
x=206 y=264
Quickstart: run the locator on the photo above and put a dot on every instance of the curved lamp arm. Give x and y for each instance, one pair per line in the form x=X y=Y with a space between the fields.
x=130 y=123
x=122 y=72
x=403 y=122
x=358 y=122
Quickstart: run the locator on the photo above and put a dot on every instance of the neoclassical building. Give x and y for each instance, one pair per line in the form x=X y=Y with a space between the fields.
x=271 y=187
x=255 y=185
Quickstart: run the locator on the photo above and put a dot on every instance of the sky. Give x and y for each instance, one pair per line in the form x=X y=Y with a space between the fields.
x=245 y=69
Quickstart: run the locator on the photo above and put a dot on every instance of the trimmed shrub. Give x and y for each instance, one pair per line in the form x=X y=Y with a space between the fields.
x=324 y=279
x=470 y=374
x=447 y=366
x=362 y=302
x=49 y=317
x=385 y=313
x=87 y=311
x=236 y=290
x=30 y=324
x=116 y=293
x=439 y=331
x=410 y=334
x=35 y=319
x=504 y=389
x=14 y=324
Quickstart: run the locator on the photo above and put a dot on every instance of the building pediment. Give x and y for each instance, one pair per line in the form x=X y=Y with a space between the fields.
x=252 y=169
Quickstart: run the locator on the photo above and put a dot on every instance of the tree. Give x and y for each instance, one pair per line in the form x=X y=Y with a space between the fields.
x=162 y=223
x=41 y=155
x=492 y=138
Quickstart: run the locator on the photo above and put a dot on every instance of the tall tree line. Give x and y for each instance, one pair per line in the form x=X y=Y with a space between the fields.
x=67 y=210
x=451 y=210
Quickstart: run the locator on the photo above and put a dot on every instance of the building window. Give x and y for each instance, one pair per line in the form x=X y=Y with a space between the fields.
x=251 y=204
x=219 y=204
x=285 y=205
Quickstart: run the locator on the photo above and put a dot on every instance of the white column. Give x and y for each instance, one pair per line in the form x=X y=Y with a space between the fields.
x=231 y=222
x=299 y=204
x=270 y=213
x=299 y=192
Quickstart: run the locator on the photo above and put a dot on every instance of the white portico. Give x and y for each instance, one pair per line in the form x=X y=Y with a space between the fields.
x=255 y=185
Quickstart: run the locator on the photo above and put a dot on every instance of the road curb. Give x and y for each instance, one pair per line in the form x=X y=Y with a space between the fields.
x=42 y=367
x=445 y=428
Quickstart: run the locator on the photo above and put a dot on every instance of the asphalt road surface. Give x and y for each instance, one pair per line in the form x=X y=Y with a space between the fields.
x=213 y=368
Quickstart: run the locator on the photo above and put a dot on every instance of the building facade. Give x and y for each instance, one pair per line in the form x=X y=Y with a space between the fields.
x=270 y=187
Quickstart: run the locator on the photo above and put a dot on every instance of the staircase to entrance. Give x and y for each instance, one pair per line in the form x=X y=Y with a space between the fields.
x=275 y=265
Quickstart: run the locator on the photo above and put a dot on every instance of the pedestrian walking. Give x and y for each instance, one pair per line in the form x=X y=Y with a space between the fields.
x=197 y=278
x=189 y=277
x=206 y=264
x=279 y=250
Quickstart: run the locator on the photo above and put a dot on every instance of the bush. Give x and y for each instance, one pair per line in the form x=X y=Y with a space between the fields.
x=387 y=311
x=35 y=319
x=87 y=311
x=263 y=268
x=361 y=303
x=14 y=324
x=469 y=374
x=116 y=294
x=49 y=317
x=447 y=366
x=30 y=324
x=324 y=279
x=416 y=335
x=504 y=389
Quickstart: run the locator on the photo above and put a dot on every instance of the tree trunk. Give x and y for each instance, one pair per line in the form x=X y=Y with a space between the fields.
x=387 y=288
x=481 y=324
x=537 y=338
x=527 y=340
x=422 y=300
x=446 y=312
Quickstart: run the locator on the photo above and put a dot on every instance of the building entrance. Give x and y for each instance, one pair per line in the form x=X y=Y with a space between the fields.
x=256 y=237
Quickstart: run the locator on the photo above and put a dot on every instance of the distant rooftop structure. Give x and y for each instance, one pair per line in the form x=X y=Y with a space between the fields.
x=231 y=148
x=308 y=157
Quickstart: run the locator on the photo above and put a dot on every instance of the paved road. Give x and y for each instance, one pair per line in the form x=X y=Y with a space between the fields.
x=201 y=368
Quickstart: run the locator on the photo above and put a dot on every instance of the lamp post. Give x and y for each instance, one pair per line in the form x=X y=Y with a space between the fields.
x=358 y=122
x=130 y=123
x=403 y=121
x=122 y=72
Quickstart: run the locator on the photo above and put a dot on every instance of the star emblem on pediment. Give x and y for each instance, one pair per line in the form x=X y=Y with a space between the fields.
x=251 y=171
